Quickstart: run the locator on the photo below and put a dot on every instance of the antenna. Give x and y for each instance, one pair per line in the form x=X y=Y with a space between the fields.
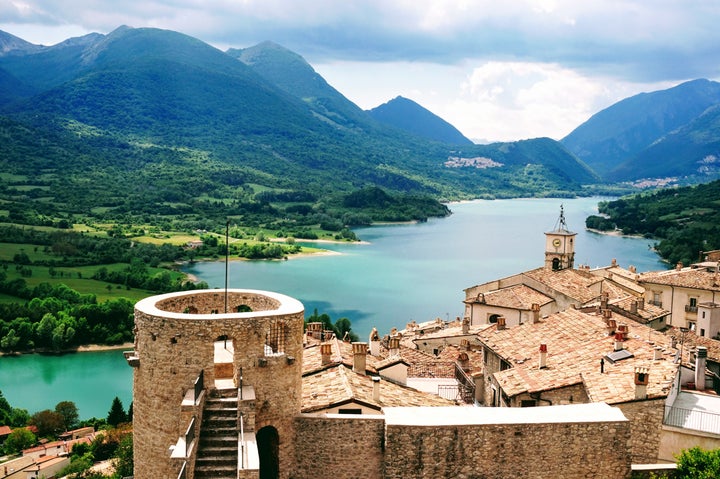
x=561 y=225
x=227 y=257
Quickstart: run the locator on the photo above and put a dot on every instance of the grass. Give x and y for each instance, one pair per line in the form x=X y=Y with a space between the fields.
x=80 y=279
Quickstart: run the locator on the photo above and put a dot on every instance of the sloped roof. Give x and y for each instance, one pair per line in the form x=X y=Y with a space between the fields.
x=339 y=385
x=696 y=278
x=576 y=342
x=518 y=296
x=573 y=283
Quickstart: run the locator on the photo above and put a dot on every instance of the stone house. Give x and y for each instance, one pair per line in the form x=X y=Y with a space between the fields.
x=574 y=357
x=690 y=294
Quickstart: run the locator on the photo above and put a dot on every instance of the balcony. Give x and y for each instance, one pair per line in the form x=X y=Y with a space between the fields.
x=690 y=309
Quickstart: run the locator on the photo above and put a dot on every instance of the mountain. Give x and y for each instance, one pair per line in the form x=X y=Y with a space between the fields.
x=409 y=116
x=292 y=74
x=144 y=123
x=622 y=131
x=691 y=150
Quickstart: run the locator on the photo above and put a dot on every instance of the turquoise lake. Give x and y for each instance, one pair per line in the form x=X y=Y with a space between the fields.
x=404 y=272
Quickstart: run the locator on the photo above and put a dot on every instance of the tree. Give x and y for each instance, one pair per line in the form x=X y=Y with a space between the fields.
x=69 y=411
x=117 y=414
x=48 y=423
x=697 y=463
x=19 y=439
x=124 y=457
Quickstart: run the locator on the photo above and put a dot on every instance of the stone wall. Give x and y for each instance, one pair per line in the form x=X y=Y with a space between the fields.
x=556 y=445
x=646 y=422
x=508 y=451
x=339 y=447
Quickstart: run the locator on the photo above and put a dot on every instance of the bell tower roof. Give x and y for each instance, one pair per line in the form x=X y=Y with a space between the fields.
x=561 y=227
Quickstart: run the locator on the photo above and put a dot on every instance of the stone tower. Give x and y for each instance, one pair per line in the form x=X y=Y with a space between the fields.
x=560 y=246
x=193 y=347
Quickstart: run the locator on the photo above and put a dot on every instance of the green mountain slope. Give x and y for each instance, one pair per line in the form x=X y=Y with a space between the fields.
x=145 y=124
x=693 y=149
x=292 y=74
x=409 y=116
x=621 y=131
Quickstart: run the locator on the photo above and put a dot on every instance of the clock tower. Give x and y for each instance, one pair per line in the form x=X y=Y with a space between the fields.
x=560 y=246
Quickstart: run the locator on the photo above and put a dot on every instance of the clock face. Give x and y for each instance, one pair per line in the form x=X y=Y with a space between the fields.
x=556 y=242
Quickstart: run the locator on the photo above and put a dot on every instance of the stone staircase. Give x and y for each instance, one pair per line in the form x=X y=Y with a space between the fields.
x=217 y=456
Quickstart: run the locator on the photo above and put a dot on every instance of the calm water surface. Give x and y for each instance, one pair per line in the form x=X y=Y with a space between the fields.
x=406 y=272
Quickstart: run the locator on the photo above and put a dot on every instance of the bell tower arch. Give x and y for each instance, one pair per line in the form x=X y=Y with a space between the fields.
x=560 y=245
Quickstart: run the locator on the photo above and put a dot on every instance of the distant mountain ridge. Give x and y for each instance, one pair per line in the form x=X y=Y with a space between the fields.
x=407 y=115
x=618 y=141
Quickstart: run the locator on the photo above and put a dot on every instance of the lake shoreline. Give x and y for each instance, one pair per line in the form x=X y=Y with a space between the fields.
x=88 y=348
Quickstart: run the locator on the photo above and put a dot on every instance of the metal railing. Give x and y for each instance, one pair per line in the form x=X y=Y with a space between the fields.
x=466 y=384
x=656 y=303
x=449 y=391
x=690 y=309
x=183 y=471
x=199 y=385
x=189 y=436
x=692 y=419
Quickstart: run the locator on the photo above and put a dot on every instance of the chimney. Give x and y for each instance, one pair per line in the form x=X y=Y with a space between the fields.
x=325 y=353
x=613 y=262
x=543 y=356
x=374 y=341
x=618 y=341
x=641 y=382
x=623 y=329
x=632 y=269
x=394 y=346
x=501 y=323
x=465 y=326
x=359 y=357
x=641 y=303
x=634 y=306
x=536 y=312
x=700 y=361
x=376 y=388
x=679 y=266
x=611 y=326
x=657 y=355
x=465 y=344
x=604 y=300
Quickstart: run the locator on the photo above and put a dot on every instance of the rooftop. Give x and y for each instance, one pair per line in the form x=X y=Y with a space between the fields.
x=339 y=385
x=701 y=277
x=576 y=342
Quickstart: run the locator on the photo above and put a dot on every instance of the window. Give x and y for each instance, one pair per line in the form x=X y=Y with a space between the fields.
x=275 y=339
x=527 y=403
x=702 y=331
x=350 y=411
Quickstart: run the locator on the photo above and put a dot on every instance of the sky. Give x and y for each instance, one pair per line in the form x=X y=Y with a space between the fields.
x=497 y=70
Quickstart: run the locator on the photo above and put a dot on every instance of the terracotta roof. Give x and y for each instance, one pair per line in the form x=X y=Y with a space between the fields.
x=692 y=340
x=570 y=282
x=339 y=385
x=516 y=297
x=576 y=342
x=649 y=311
x=474 y=363
x=697 y=278
x=5 y=430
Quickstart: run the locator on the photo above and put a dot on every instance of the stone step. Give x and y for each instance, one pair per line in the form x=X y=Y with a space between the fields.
x=218 y=442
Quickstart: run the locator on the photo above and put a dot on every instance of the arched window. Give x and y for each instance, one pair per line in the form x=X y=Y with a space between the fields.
x=556 y=264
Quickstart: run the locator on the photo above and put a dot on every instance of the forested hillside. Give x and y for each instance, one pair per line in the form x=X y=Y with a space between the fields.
x=685 y=221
